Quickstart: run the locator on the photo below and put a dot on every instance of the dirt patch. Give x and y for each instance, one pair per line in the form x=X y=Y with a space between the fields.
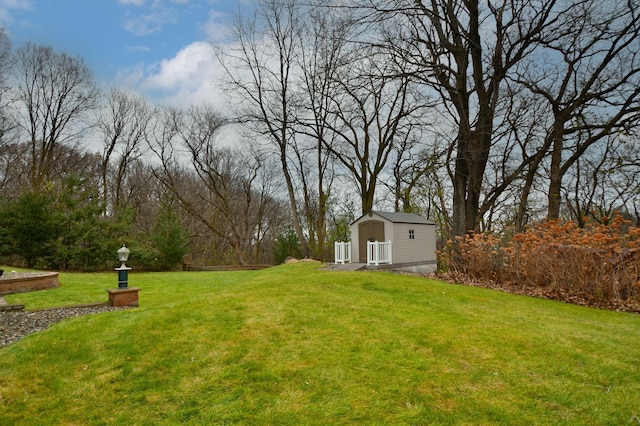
x=292 y=260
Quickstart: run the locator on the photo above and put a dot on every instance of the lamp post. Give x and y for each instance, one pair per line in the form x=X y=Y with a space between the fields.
x=123 y=270
x=123 y=295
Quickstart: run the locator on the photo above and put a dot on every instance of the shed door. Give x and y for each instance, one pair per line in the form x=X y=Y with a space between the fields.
x=371 y=230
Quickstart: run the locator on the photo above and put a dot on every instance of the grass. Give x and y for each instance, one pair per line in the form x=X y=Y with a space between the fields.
x=296 y=345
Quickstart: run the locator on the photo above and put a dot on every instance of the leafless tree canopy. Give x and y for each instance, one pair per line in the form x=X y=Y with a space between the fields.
x=123 y=126
x=568 y=66
x=54 y=93
x=5 y=63
x=482 y=115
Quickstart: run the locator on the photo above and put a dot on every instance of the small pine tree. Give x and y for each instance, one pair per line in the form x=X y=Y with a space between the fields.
x=31 y=227
x=85 y=242
x=168 y=239
x=286 y=245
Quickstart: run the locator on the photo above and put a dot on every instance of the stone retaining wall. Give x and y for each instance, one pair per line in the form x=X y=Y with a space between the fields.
x=17 y=282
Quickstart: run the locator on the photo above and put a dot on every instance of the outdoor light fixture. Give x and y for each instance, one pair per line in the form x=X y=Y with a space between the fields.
x=123 y=255
x=123 y=295
x=123 y=270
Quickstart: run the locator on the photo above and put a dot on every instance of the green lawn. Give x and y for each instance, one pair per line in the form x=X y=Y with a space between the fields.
x=297 y=345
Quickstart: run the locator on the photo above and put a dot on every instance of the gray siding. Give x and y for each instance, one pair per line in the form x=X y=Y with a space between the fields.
x=355 y=247
x=421 y=248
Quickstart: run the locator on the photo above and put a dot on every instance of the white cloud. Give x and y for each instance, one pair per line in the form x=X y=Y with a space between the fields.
x=185 y=79
x=132 y=2
x=15 y=4
x=215 y=29
x=149 y=23
x=191 y=76
x=139 y=48
x=130 y=77
x=152 y=16
x=186 y=68
x=8 y=6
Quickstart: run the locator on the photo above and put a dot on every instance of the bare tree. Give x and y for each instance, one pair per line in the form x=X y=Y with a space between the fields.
x=464 y=50
x=374 y=111
x=227 y=191
x=410 y=168
x=579 y=56
x=587 y=69
x=260 y=73
x=10 y=153
x=123 y=126
x=14 y=162
x=320 y=54
x=54 y=93
x=5 y=63
x=604 y=181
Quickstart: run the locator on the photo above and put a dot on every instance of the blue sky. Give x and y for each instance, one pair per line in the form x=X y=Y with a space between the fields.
x=157 y=47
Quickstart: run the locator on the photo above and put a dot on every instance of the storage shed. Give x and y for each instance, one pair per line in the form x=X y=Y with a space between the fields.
x=394 y=240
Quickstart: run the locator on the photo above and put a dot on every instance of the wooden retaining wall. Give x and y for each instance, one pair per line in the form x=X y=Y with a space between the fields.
x=190 y=267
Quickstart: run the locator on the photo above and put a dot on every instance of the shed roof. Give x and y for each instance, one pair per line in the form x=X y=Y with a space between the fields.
x=396 y=217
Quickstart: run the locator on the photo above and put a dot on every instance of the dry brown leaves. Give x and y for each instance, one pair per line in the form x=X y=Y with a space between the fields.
x=541 y=292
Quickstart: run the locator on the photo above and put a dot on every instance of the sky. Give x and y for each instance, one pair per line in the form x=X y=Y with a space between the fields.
x=159 y=48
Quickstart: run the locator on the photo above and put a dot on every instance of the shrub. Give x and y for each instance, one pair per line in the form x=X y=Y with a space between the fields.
x=165 y=247
x=31 y=228
x=286 y=245
x=599 y=261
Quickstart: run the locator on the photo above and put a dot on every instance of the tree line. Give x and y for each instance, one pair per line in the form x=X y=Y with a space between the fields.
x=482 y=115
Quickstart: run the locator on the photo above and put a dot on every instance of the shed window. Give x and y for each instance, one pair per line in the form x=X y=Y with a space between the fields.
x=412 y=235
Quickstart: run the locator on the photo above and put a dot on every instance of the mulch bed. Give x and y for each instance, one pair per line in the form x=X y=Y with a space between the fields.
x=542 y=292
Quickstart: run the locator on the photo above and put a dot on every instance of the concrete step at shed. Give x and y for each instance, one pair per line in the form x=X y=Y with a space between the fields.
x=346 y=266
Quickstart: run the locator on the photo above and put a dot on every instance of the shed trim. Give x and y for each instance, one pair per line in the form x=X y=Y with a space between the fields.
x=396 y=217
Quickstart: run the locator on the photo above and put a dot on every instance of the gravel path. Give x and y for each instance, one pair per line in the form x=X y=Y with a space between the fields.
x=14 y=325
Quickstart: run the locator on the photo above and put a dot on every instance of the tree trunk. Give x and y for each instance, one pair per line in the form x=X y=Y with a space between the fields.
x=304 y=246
x=459 y=214
x=555 y=176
